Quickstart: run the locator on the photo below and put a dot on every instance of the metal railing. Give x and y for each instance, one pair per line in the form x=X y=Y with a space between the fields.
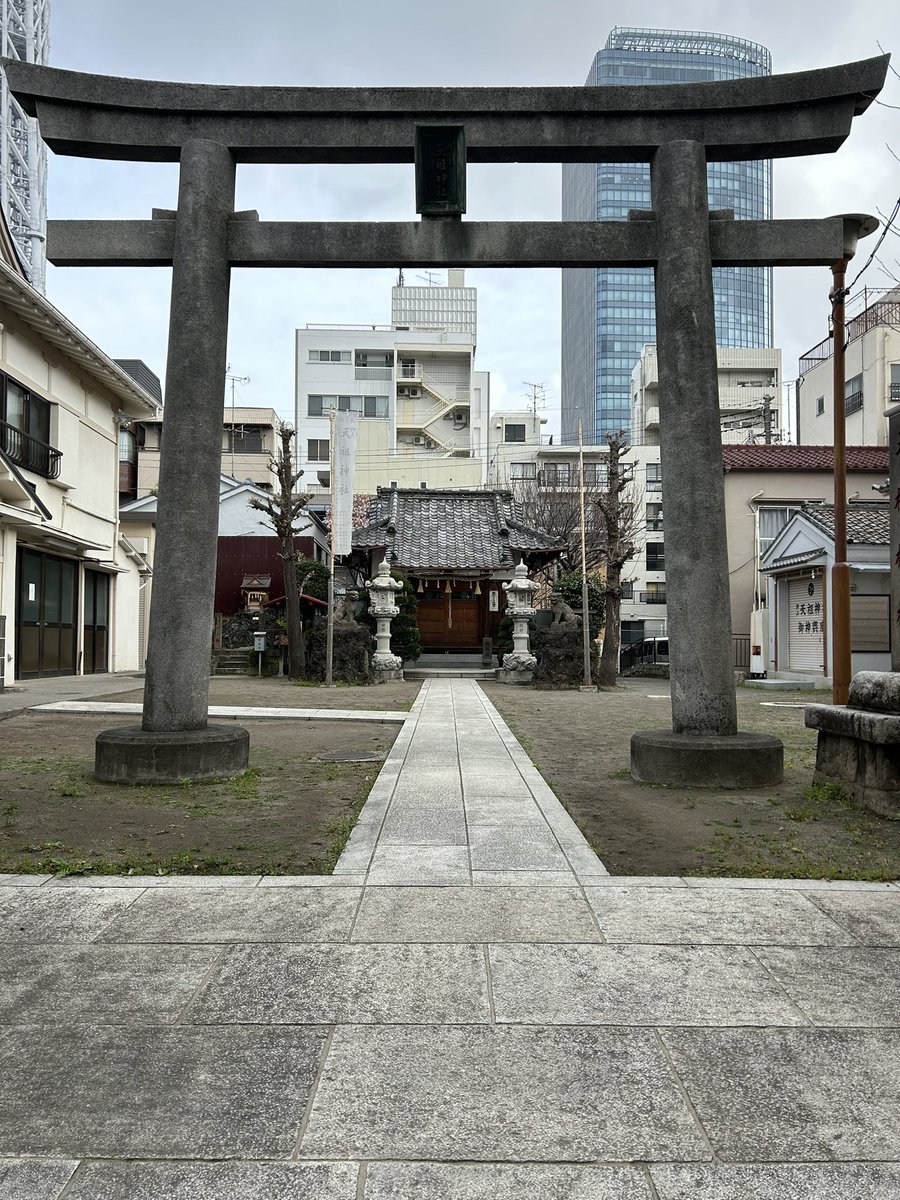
x=28 y=452
x=651 y=597
x=895 y=393
x=853 y=403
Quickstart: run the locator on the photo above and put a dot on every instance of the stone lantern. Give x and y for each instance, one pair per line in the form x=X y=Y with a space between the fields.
x=518 y=667
x=387 y=667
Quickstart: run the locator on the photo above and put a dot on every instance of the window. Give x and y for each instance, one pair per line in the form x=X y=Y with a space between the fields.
x=594 y=475
x=366 y=406
x=820 y=405
x=654 y=477
x=853 y=395
x=514 y=433
x=329 y=356
x=25 y=429
x=127 y=446
x=244 y=439
x=895 y=383
x=654 y=517
x=771 y=523
x=522 y=470
x=555 y=475
x=374 y=358
x=656 y=556
x=317 y=450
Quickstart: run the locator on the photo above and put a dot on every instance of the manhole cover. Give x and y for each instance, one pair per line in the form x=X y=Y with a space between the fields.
x=360 y=756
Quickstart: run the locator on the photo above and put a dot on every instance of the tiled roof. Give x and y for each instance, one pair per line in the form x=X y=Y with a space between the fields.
x=802 y=458
x=443 y=529
x=867 y=524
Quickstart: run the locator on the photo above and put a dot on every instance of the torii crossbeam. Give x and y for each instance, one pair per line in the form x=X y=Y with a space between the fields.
x=677 y=128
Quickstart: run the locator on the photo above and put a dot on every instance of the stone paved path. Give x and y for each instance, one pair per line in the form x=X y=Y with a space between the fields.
x=357 y=1038
x=459 y=802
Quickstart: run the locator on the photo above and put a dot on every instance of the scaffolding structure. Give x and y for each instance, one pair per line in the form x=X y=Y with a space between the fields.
x=24 y=26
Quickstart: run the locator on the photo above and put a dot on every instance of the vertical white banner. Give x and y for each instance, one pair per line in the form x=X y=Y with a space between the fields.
x=343 y=457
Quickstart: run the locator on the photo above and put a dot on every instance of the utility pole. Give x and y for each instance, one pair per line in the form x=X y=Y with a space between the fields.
x=840 y=572
x=587 y=686
x=767 y=416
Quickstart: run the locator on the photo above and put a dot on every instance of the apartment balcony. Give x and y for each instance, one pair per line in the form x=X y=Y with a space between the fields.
x=650 y=597
x=28 y=452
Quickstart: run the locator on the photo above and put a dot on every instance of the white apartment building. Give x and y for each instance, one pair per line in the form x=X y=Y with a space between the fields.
x=24 y=30
x=425 y=412
x=749 y=396
x=871 y=376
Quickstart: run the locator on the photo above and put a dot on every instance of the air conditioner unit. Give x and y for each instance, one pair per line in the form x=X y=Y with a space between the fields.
x=418 y=441
x=429 y=444
x=415 y=393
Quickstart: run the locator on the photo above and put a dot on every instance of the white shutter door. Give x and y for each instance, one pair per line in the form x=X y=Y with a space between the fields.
x=806 y=624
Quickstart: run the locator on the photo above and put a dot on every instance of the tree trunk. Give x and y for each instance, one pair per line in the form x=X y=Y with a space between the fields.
x=609 y=659
x=296 y=647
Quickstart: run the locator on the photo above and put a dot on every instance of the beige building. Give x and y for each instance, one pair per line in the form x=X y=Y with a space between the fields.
x=71 y=582
x=871 y=376
x=749 y=396
x=249 y=441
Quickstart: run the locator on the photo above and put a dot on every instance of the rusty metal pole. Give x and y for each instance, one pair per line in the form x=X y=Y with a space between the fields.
x=840 y=572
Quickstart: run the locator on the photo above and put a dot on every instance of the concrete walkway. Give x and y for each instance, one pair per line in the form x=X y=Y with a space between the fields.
x=458 y=801
x=552 y=1033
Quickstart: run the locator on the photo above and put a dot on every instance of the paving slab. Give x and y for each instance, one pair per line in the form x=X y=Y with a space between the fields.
x=441 y=866
x=524 y=1094
x=689 y=915
x=466 y=914
x=158 y=1092
x=29 y=1179
x=774 y=1095
x=45 y=914
x=23 y=880
x=511 y=847
x=99 y=985
x=636 y=985
x=358 y=984
x=809 y=1181
x=216 y=1181
x=872 y=917
x=446 y=1181
x=234 y=915
x=835 y=985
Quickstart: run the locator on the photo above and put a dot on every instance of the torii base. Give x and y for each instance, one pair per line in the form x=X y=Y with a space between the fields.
x=133 y=755
x=740 y=760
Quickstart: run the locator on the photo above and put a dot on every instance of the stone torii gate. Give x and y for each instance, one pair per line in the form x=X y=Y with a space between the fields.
x=678 y=129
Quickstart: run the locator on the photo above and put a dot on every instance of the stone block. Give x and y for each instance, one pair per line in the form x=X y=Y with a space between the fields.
x=237 y=915
x=358 y=984
x=467 y=914
x=863 y=760
x=134 y=755
x=740 y=760
x=635 y=985
x=95 y=1092
x=852 y=986
x=215 y=1181
x=808 y=1181
x=695 y=916
x=99 y=985
x=32 y=1179
x=50 y=914
x=871 y=918
x=503 y=1094
x=502 y=1181
x=875 y=691
x=797 y=1095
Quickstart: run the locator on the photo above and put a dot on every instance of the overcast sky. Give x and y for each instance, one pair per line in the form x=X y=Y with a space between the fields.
x=467 y=42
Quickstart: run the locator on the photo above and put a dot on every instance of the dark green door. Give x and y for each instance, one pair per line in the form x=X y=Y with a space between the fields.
x=96 y=622
x=45 y=615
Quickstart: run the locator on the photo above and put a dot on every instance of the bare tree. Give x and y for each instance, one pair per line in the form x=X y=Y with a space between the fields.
x=616 y=506
x=551 y=503
x=282 y=509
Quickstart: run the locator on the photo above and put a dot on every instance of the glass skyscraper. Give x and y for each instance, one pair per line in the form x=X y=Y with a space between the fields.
x=609 y=314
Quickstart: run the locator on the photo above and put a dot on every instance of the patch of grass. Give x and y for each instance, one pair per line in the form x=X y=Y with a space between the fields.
x=338 y=834
x=246 y=785
x=10 y=812
x=775 y=856
x=622 y=773
x=69 y=785
x=134 y=864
